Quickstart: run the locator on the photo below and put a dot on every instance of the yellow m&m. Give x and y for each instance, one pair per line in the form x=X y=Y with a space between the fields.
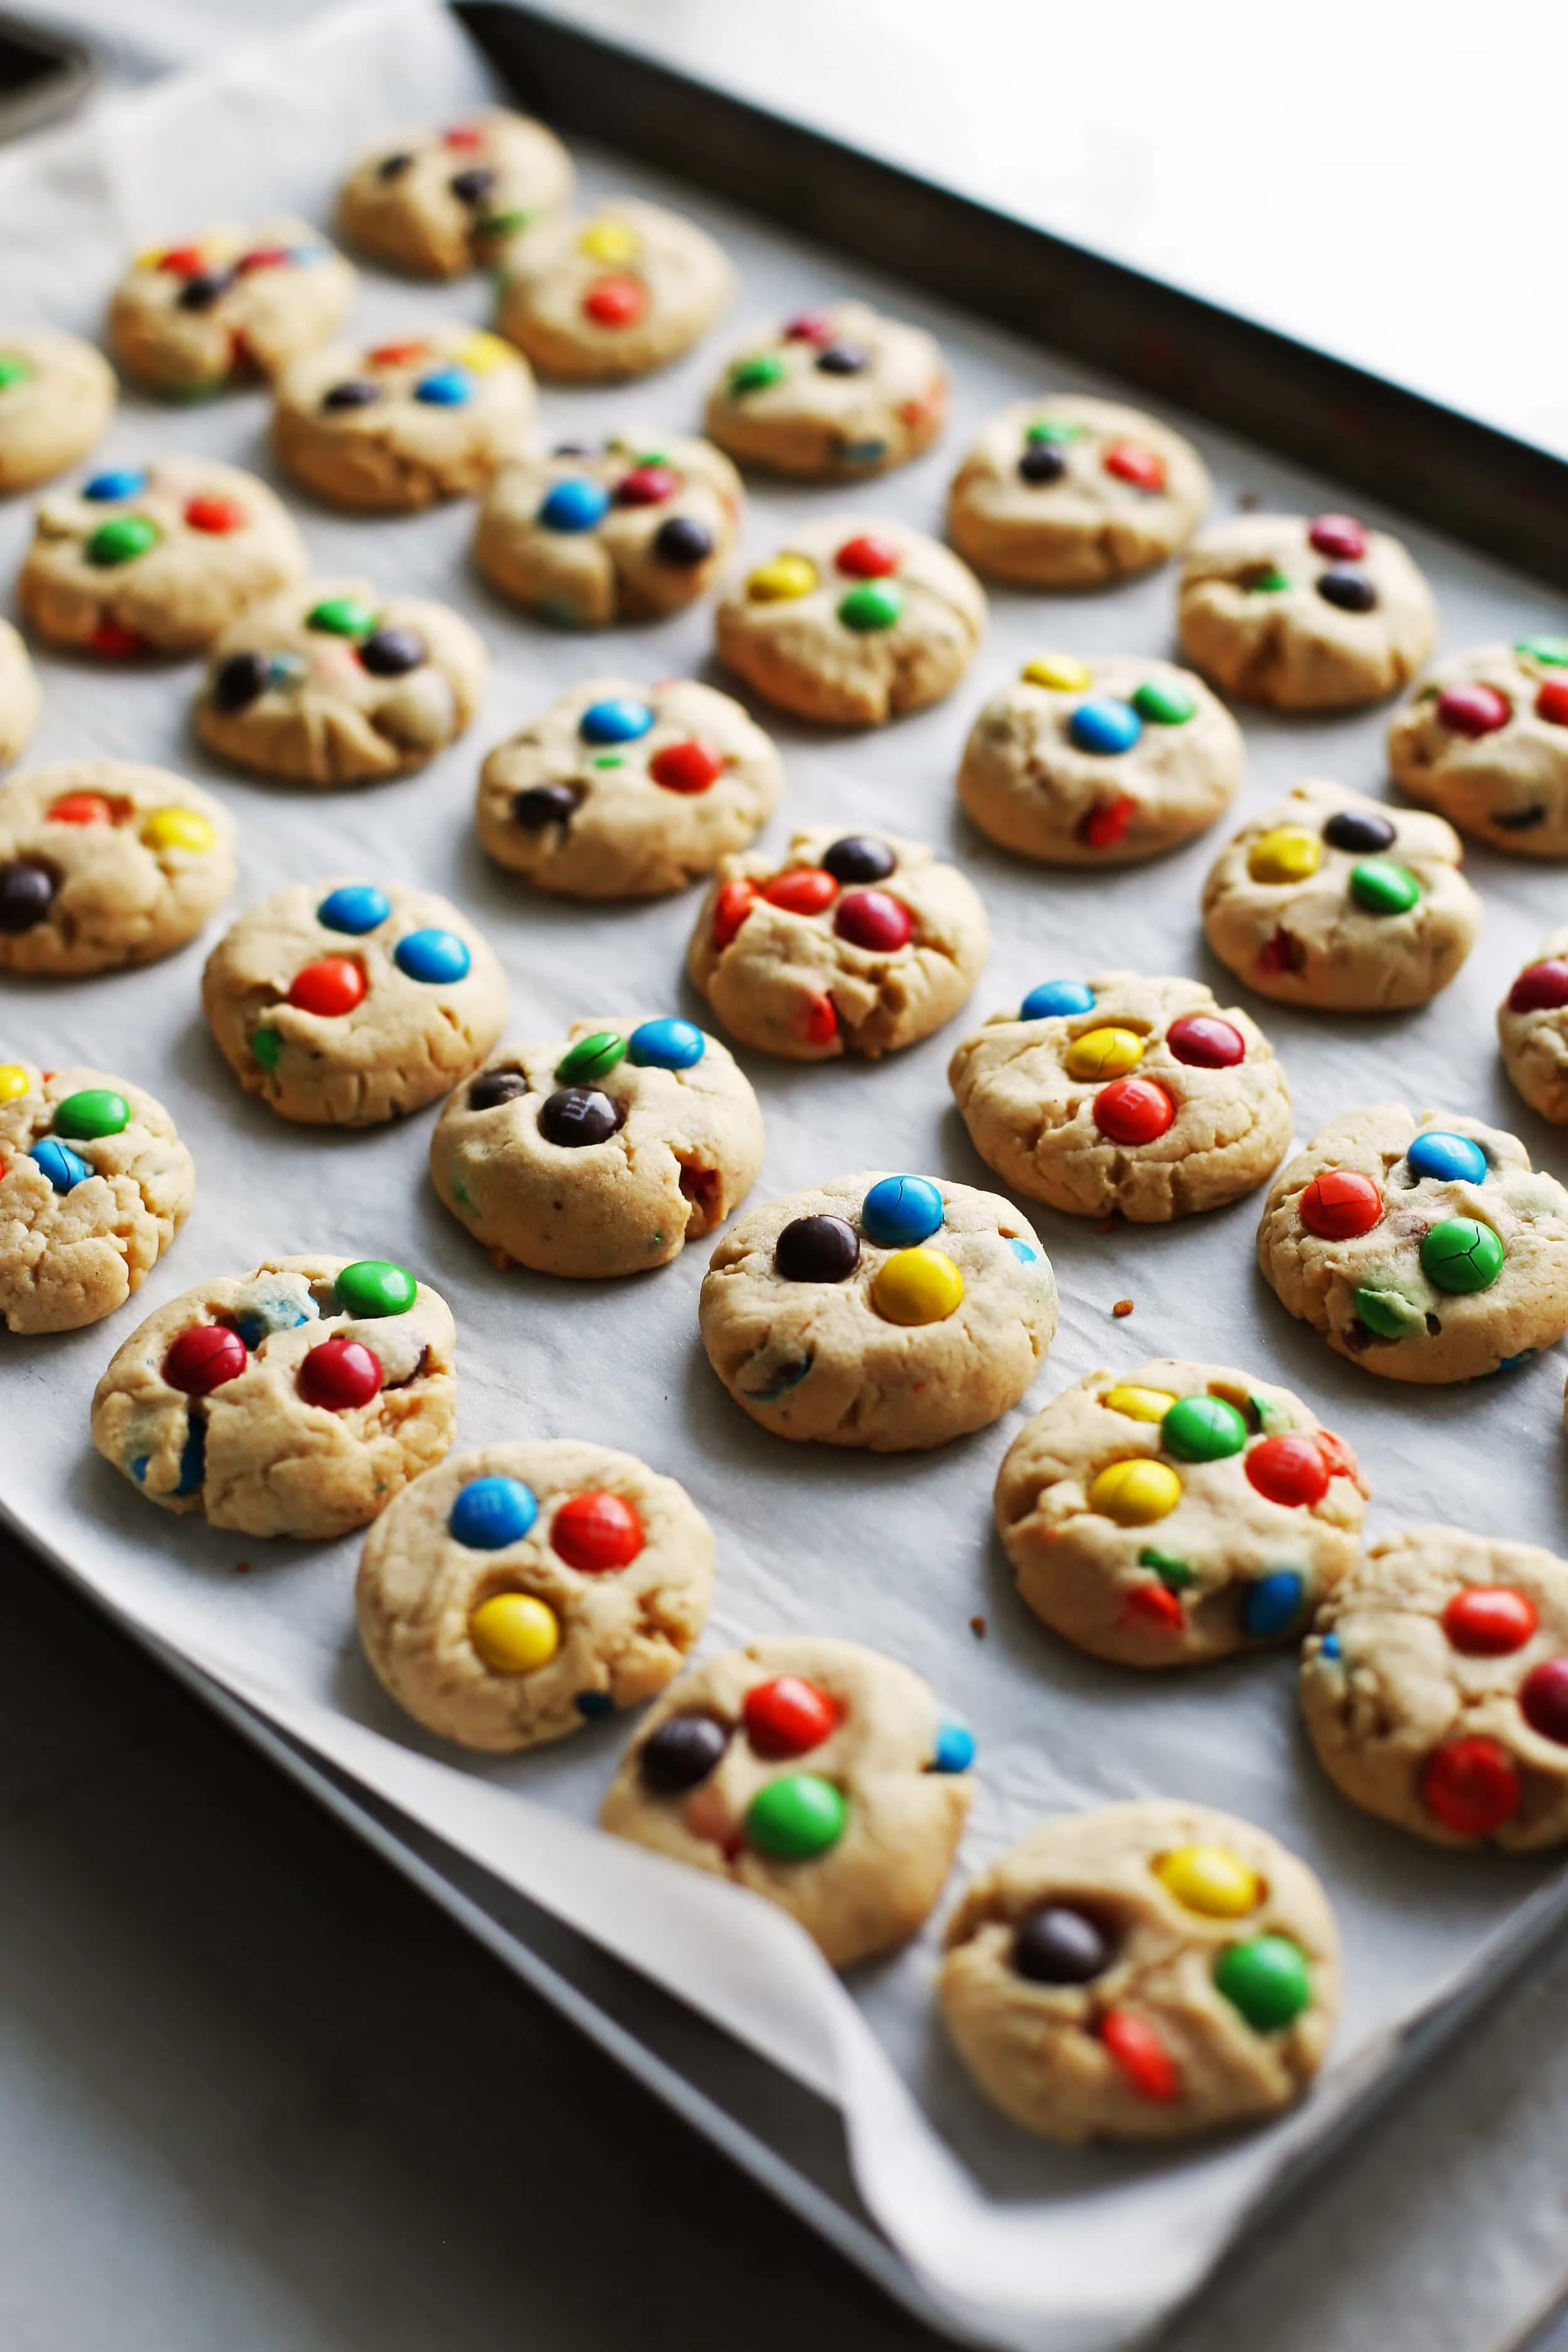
x=1138 y=1404
x=917 y=1285
x=1210 y=1879
x=13 y=1081
x=610 y=241
x=776 y=582
x=484 y=354
x=514 y=1634
x=1288 y=854
x=1104 y=1053
x=178 y=828
x=1057 y=671
x=1136 y=1493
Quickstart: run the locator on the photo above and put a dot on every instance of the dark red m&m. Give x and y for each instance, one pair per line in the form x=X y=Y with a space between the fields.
x=1470 y=1785
x=1207 y=1043
x=1473 y=711
x=340 y=1374
x=1338 y=535
x=1541 y=987
x=203 y=1357
x=874 y=920
x=1543 y=1700
x=647 y=486
x=817 y=1249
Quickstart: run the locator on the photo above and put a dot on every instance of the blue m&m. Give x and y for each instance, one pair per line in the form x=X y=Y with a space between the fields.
x=447 y=387
x=1451 y=1158
x=355 y=907
x=901 y=1211
x=1021 y=1250
x=668 y=1044
x=60 y=1164
x=433 y=957
x=576 y=504
x=1271 y=1604
x=1054 y=997
x=491 y=1512
x=619 y=720
x=1104 y=726
x=955 y=1749
x=116 y=482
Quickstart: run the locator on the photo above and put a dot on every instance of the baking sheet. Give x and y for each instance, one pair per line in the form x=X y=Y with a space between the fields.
x=1032 y=2246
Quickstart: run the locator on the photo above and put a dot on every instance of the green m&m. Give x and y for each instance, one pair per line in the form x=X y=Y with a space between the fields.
x=590 y=1057
x=375 y=1287
x=1383 y=888
x=1049 y=428
x=340 y=616
x=1553 y=651
x=1163 y=704
x=121 y=541
x=1388 y=1313
x=1203 y=1429
x=1462 y=1255
x=266 y=1045
x=95 y=1111
x=1267 y=1979
x=796 y=1817
x=755 y=375
x=872 y=604
x=14 y=370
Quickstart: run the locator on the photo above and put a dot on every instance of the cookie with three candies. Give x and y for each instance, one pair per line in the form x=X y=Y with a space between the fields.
x=1344 y=904
x=852 y=623
x=57 y=396
x=1485 y=740
x=627 y=531
x=854 y=943
x=330 y=683
x=292 y=1401
x=342 y=1003
x=1532 y=1028
x=1099 y=764
x=822 y=1776
x=613 y=296
x=155 y=559
x=399 y=426
x=105 y=863
x=20 y=698
x=440 y=203
x=94 y=1185
x=1122 y=1093
x=602 y=1153
x=830 y=394
x=621 y=791
x=1426 y=1250
x=891 y=1312
x=1143 y=1971
x=1435 y=1686
x=227 y=306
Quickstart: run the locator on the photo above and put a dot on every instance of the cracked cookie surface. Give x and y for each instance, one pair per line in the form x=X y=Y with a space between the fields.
x=598 y=300
x=1067 y=492
x=105 y=863
x=57 y=396
x=399 y=426
x=1484 y=740
x=830 y=394
x=227 y=306
x=440 y=203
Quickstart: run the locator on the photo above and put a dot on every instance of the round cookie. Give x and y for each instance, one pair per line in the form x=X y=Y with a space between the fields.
x=439 y=202
x=620 y=791
x=602 y=1152
x=330 y=683
x=1099 y=763
x=1532 y=1028
x=1426 y=1250
x=1143 y=1972
x=598 y=300
x=1069 y=492
x=157 y=558
x=57 y=396
x=1485 y=740
x=94 y=1185
x=1435 y=1687
x=1344 y=904
x=1178 y=1514
x=631 y=531
x=852 y=622
x=20 y=699
x=823 y=1775
x=1124 y=1093
x=399 y=426
x=294 y=1401
x=833 y=393
x=891 y=1312
x=105 y=863
x=231 y=305
x=522 y=1591
x=853 y=943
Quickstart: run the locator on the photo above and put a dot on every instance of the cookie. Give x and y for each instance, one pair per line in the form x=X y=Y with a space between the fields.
x=1485 y=740
x=852 y=943
x=1532 y=1028
x=1143 y=1972
x=602 y=1153
x=1435 y=1687
x=833 y=393
x=1099 y=763
x=891 y=1312
x=629 y=532
x=851 y=621
x=94 y=1185
x=155 y=559
x=295 y=1400
x=1426 y=1250
x=232 y=305
x=20 y=700
x=330 y=683
x=1123 y=1093
x=1178 y=1514
x=439 y=202
x=1344 y=903
x=105 y=863
x=620 y=791
x=57 y=396
x=598 y=300
x=822 y=1776
x=402 y=424
x=1068 y=492
x=522 y=1591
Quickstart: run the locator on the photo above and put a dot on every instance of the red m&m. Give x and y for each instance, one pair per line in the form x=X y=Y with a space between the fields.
x=1488 y=1621
x=330 y=987
x=1552 y=702
x=731 y=907
x=1340 y=536
x=873 y=919
x=1541 y=987
x=1130 y=461
x=1134 y=1111
x=690 y=767
x=595 y=1532
x=1141 y=2055
x=217 y=516
x=802 y=891
x=340 y=1374
x=867 y=557
x=788 y=1716
x=81 y=808
x=1155 y=1608
x=1340 y=1204
x=1473 y=711
x=1470 y=1785
x=1206 y=1043
x=204 y=1357
x=1288 y=1470
x=615 y=301
x=818 y=1021
x=115 y=642
x=397 y=355
x=1102 y=826
x=1543 y=1700
x=647 y=485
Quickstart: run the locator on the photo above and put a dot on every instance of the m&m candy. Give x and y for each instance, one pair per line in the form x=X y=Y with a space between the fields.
x=1206 y=1043
x=215 y=515
x=26 y=894
x=1203 y=1429
x=1134 y=1493
x=1134 y=1111
x=666 y=1045
x=1358 y=832
x=1288 y=853
x=203 y=1357
x=81 y=808
x=1210 y=1880
x=619 y=719
x=114 y=483
x=375 y=1287
x=956 y=1748
x=1449 y=1157
x=575 y=1117
x=1289 y=1470
x=1461 y=1254
x=1541 y=987
x=690 y=767
x=1054 y=998
x=1163 y=704
x=682 y=1752
x=788 y=1716
x=874 y=920
x=916 y=1287
x=447 y=387
x=330 y=987
x=1054 y=1944
x=683 y=540
x=1347 y=589
x=615 y=301
x=121 y=541
x=781 y=581
x=875 y=604
x=1552 y=702
x=576 y=504
x=91 y=1113
x=514 y=1633
x=341 y=616
x=1383 y=888
x=1266 y=1979
x=592 y=1057
x=797 y=1816
x=340 y=1374
x=858 y=857
x=391 y=653
x=14 y=1082
x=1104 y=727
x=1489 y=1620
x=817 y=1249
x=868 y=558
x=1271 y=1604
x=435 y=957
x=488 y=1513
x=1338 y=535
x=1340 y=1204
x=1103 y=1054
x=1473 y=711
x=1130 y=461
x=355 y=907
x=899 y=1212
x=756 y=375
x=63 y=1168
x=1059 y=673
x=1543 y=1700
x=177 y=828
x=1141 y=2054
x=1470 y=1785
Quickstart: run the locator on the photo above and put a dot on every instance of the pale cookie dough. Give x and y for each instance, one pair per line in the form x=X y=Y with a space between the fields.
x=330 y=683
x=104 y=862
x=1485 y=739
x=830 y=394
x=1099 y=763
x=295 y=1400
x=94 y=1185
x=20 y=699
x=823 y=1775
x=57 y=396
x=1143 y=1971
x=629 y=532
x=1177 y=1513
x=157 y=558
x=614 y=296
x=852 y=943
x=522 y=1591
x=1426 y=1250
x=1532 y=1028
x=233 y=304
x=602 y=1153
x=852 y=622
x=1435 y=1687
x=1068 y=492
x=1344 y=904
x=892 y=1312
x=401 y=424
x=439 y=202
x=1123 y=1093
x=620 y=791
